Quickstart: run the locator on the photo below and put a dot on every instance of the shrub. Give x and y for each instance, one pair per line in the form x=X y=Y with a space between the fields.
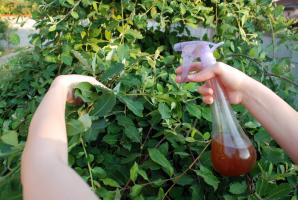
x=16 y=7
x=149 y=138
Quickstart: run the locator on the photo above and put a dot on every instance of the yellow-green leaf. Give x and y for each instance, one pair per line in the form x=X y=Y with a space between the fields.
x=10 y=137
x=157 y=157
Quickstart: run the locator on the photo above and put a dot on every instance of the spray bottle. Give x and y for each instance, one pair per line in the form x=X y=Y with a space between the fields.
x=232 y=153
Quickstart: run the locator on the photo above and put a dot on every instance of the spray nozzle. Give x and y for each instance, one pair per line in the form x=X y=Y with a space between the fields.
x=196 y=49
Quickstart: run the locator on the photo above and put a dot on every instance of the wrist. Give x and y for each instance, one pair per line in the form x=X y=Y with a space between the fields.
x=60 y=84
x=248 y=90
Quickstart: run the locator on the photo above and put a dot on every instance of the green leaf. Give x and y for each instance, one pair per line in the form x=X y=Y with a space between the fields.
x=129 y=128
x=238 y=187
x=157 y=157
x=52 y=28
x=10 y=137
x=14 y=38
x=185 y=180
x=196 y=192
x=134 y=172
x=104 y=104
x=252 y=124
x=111 y=138
x=272 y=191
x=164 y=110
x=190 y=139
x=74 y=14
x=133 y=104
x=132 y=133
x=80 y=57
x=143 y=174
x=99 y=172
x=206 y=113
x=273 y=154
x=160 y=194
x=208 y=177
x=66 y=58
x=113 y=70
x=262 y=136
x=86 y=121
x=74 y=127
x=136 y=190
x=194 y=110
x=108 y=35
x=134 y=33
x=70 y=2
x=124 y=121
x=253 y=52
x=117 y=195
x=110 y=182
x=85 y=92
x=281 y=190
x=122 y=52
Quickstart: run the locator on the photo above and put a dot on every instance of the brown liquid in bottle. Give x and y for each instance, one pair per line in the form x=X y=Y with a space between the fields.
x=230 y=160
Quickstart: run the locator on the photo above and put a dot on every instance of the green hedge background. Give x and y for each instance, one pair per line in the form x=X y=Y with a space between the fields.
x=147 y=138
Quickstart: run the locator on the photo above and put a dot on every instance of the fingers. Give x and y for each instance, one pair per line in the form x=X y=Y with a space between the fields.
x=208 y=99
x=207 y=93
x=193 y=67
x=201 y=76
x=205 y=90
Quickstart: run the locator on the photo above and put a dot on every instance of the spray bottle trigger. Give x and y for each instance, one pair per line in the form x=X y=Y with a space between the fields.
x=215 y=46
x=187 y=60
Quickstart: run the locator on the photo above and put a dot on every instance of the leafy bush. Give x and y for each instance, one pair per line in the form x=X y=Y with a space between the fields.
x=3 y=29
x=148 y=138
x=7 y=35
x=16 y=7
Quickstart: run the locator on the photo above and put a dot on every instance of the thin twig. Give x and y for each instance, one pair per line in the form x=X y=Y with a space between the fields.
x=65 y=16
x=176 y=179
x=264 y=70
x=273 y=36
x=147 y=136
x=88 y=164
x=157 y=145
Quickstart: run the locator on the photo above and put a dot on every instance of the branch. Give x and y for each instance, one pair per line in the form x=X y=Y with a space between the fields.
x=73 y=8
x=176 y=179
x=264 y=70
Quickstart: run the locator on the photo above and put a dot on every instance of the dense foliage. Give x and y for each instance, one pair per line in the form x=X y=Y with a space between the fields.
x=16 y=7
x=8 y=37
x=3 y=28
x=147 y=137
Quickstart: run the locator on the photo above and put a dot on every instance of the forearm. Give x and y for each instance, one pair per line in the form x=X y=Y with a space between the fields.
x=47 y=131
x=275 y=115
x=44 y=170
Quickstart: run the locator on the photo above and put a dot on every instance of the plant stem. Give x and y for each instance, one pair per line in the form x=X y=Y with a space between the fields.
x=176 y=179
x=273 y=36
x=88 y=164
x=258 y=196
x=263 y=69
x=65 y=16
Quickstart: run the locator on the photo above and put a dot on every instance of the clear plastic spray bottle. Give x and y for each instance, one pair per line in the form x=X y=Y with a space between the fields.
x=231 y=150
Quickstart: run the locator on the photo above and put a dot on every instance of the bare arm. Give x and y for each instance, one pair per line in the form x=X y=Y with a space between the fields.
x=44 y=170
x=275 y=115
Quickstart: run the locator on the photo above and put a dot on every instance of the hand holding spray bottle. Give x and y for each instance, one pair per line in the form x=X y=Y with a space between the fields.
x=231 y=150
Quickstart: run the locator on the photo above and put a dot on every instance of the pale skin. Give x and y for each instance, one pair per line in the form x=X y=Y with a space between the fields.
x=45 y=173
x=275 y=115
